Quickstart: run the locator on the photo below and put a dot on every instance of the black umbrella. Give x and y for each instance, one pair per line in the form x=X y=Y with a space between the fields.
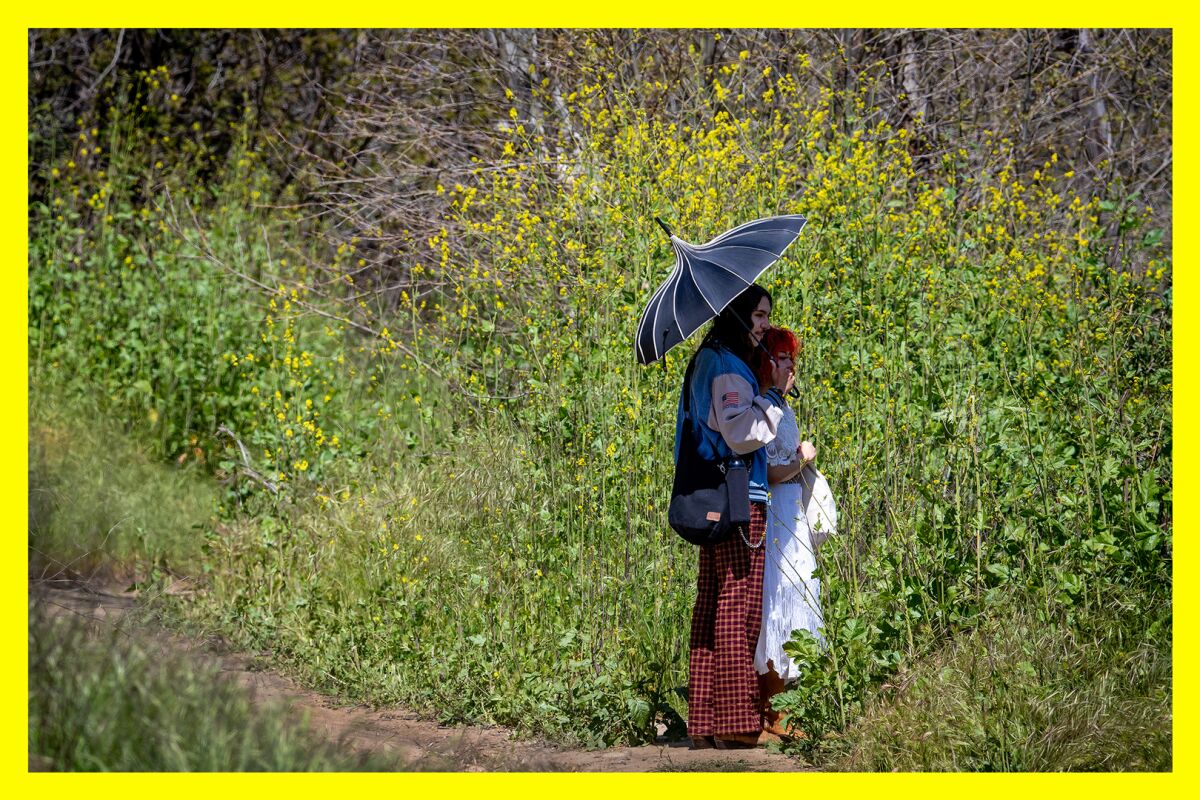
x=706 y=279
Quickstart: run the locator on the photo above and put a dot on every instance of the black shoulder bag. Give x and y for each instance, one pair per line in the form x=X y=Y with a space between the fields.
x=710 y=498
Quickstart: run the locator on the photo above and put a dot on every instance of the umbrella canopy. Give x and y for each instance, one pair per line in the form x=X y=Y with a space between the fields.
x=706 y=279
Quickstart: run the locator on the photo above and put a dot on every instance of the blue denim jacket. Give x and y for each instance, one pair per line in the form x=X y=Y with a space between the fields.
x=709 y=365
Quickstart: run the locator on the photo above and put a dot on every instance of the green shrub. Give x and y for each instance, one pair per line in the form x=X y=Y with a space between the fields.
x=165 y=299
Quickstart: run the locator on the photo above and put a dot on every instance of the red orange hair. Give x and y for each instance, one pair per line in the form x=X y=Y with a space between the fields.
x=776 y=340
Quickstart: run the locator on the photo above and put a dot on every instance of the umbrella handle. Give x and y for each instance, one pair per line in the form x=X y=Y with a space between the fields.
x=663 y=225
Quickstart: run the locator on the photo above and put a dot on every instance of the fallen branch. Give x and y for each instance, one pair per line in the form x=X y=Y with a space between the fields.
x=250 y=471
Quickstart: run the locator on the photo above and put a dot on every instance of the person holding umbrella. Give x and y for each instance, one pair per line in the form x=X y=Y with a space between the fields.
x=728 y=412
x=723 y=691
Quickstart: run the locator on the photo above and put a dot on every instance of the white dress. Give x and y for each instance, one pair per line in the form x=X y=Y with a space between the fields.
x=791 y=595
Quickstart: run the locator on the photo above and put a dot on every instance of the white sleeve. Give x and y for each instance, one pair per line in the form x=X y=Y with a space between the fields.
x=746 y=421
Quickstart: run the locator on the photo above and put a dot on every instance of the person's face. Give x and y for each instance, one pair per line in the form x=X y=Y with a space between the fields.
x=760 y=321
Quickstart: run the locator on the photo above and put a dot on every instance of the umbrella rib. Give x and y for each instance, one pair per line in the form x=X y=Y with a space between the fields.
x=733 y=231
x=654 y=322
x=662 y=291
x=646 y=315
x=675 y=292
x=747 y=247
x=675 y=296
x=721 y=241
x=734 y=274
x=707 y=302
x=752 y=222
x=652 y=319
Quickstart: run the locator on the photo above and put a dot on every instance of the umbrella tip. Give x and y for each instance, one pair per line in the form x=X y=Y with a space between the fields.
x=663 y=225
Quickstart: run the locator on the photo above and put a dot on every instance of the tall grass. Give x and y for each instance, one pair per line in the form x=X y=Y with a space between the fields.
x=101 y=700
x=1016 y=694
x=102 y=505
x=422 y=590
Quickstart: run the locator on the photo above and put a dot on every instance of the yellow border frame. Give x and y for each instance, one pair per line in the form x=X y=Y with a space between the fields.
x=474 y=13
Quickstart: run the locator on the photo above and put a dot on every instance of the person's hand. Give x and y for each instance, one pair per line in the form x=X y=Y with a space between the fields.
x=782 y=378
x=807 y=451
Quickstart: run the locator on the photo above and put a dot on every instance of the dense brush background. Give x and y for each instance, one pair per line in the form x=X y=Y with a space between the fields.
x=336 y=327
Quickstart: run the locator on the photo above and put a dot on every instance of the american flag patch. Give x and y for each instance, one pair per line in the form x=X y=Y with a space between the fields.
x=729 y=400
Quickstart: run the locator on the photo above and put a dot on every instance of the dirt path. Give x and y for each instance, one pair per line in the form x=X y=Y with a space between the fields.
x=419 y=743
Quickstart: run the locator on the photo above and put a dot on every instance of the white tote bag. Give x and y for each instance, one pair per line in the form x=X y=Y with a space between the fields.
x=818 y=505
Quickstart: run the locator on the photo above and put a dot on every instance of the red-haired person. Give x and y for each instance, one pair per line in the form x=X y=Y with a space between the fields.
x=800 y=516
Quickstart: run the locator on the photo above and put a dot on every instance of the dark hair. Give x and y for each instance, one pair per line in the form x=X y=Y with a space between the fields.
x=775 y=340
x=731 y=329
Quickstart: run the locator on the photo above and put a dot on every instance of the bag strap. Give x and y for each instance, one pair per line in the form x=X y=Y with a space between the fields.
x=687 y=383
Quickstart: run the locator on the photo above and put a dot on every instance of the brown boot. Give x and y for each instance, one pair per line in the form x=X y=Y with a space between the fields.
x=703 y=743
x=766 y=737
x=773 y=723
x=769 y=685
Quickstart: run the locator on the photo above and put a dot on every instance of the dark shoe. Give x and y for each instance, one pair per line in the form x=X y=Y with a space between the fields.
x=746 y=741
x=703 y=743
x=737 y=741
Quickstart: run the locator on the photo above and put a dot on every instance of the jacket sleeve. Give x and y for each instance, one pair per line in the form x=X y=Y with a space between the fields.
x=746 y=422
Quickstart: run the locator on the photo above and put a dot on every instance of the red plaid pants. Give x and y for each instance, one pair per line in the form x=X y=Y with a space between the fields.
x=723 y=693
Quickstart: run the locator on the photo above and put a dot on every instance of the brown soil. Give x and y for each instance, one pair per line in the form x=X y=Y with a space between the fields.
x=416 y=742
